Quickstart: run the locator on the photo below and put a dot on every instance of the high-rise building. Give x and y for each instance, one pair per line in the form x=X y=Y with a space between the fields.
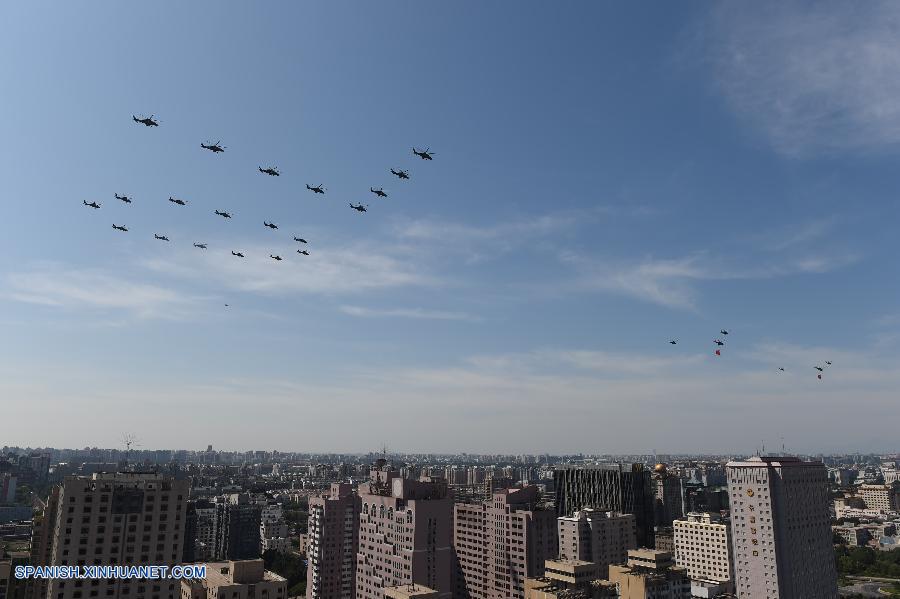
x=43 y=526
x=884 y=497
x=501 y=542
x=613 y=487
x=123 y=518
x=7 y=487
x=651 y=574
x=703 y=546
x=12 y=587
x=273 y=530
x=668 y=496
x=332 y=544
x=245 y=579
x=599 y=537
x=238 y=521
x=780 y=526
x=405 y=535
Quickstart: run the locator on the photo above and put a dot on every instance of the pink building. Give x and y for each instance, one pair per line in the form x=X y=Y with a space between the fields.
x=501 y=542
x=404 y=535
x=332 y=538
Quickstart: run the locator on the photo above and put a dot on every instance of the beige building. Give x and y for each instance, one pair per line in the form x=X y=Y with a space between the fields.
x=410 y=591
x=885 y=498
x=405 y=535
x=245 y=579
x=331 y=544
x=650 y=574
x=570 y=579
x=703 y=547
x=501 y=542
x=122 y=518
x=597 y=536
x=781 y=530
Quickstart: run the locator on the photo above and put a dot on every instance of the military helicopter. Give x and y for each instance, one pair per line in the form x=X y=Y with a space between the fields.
x=358 y=208
x=270 y=170
x=719 y=342
x=93 y=205
x=300 y=239
x=400 y=174
x=316 y=189
x=214 y=148
x=270 y=225
x=125 y=199
x=161 y=237
x=304 y=252
x=223 y=214
x=425 y=154
x=238 y=254
x=120 y=227
x=278 y=258
x=202 y=246
x=146 y=121
x=379 y=192
x=177 y=201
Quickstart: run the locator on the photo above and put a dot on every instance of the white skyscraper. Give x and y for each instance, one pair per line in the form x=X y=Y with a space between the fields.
x=781 y=531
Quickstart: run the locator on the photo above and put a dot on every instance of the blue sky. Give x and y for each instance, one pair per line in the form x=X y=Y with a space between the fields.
x=607 y=177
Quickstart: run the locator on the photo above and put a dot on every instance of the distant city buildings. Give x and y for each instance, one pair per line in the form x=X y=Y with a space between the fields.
x=781 y=529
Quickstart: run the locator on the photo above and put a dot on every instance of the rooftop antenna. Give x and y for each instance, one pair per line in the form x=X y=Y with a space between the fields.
x=129 y=440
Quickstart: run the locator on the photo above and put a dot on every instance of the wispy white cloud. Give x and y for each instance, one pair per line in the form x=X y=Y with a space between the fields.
x=813 y=76
x=329 y=270
x=671 y=282
x=54 y=285
x=414 y=313
x=794 y=236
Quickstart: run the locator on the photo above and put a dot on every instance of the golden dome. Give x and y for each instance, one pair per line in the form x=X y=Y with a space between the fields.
x=659 y=468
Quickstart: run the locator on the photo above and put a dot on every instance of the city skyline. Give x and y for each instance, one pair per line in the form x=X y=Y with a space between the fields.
x=606 y=179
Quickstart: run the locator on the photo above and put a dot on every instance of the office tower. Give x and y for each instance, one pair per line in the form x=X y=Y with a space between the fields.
x=204 y=542
x=614 y=488
x=43 y=526
x=570 y=579
x=599 y=537
x=123 y=518
x=780 y=528
x=885 y=498
x=245 y=579
x=273 y=530
x=703 y=546
x=332 y=544
x=650 y=574
x=238 y=527
x=405 y=533
x=501 y=542
x=668 y=496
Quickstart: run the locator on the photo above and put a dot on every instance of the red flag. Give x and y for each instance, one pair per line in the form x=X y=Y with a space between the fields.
x=718 y=352
x=820 y=376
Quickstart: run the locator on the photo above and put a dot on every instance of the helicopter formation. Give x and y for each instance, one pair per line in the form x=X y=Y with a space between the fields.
x=272 y=171
x=720 y=343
